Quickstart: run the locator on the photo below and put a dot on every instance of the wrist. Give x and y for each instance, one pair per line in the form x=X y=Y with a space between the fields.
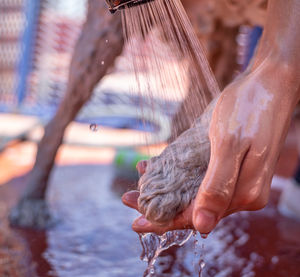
x=278 y=78
x=287 y=67
x=274 y=52
x=280 y=72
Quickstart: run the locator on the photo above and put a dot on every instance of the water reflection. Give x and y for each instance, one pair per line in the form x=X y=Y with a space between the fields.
x=94 y=236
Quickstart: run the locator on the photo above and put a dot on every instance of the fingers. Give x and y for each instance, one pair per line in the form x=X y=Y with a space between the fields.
x=141 y=167
x=181 y=221
x=216 y=191
x=130 y=199
x=142 y=225
x=253 y=184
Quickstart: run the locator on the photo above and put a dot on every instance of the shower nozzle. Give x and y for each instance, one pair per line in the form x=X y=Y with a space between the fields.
x=115 y=5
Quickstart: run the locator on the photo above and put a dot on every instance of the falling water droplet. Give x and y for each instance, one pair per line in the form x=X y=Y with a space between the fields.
x=102 y=62
x=201 y=267
x=204 y=236
x=152 y=270
x=94 y=127
x=195 y=248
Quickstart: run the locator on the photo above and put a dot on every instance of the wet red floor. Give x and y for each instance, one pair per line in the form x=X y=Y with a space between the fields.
x=93 y=235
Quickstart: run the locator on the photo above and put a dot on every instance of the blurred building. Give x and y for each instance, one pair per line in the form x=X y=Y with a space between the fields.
x=36 y=42
x=12 y=23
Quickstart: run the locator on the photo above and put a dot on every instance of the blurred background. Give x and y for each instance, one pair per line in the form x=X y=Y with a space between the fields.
x=96 y=163
x=37 y=38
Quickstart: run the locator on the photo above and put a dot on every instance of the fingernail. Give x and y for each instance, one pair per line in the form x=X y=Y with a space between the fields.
x=141 y=166
x=125 y=196
x=142 y=222
x=130 y=196
x=205 y=221
x=144 y=164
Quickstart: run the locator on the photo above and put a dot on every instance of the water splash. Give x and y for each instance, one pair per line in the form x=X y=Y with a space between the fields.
x=153 y=245
x=201 y=267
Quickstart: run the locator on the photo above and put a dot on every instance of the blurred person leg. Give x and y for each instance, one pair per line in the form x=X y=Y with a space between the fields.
x=85 y=72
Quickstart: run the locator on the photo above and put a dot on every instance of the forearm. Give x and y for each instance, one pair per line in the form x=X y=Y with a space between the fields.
x=279 y=46
x=281 y=37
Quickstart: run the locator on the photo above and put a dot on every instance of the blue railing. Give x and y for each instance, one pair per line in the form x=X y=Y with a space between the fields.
x=31 y=9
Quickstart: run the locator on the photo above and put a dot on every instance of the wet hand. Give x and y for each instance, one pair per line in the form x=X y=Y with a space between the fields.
x=247 y=130
x=142 y=225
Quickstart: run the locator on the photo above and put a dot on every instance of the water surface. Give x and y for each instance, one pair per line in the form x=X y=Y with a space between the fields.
x=94 y=236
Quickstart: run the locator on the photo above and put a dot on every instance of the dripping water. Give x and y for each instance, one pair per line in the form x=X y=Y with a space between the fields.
x=204 y=236
x=153 y=245
x=199 y=253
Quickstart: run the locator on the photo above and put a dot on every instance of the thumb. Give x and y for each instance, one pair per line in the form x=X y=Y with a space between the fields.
x=217 y=189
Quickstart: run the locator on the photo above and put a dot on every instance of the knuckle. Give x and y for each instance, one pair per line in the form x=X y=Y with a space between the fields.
x=261 y=203
x=261 y=154
x=234 y=142
x=219 y=195
x=254 y=199
x=258 y=204
x=249 y=199
x=228 y=140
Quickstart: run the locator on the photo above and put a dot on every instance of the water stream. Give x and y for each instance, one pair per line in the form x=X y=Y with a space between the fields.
x=168 y=58
x=161 y=38
x=153 y=245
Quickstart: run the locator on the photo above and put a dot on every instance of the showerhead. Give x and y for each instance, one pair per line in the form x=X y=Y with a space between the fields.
x=115 y=5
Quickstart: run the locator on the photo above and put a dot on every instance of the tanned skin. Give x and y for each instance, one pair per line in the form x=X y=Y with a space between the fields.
x=247 y=131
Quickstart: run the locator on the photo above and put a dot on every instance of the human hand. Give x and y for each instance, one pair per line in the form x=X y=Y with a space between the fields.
x=142 y=225
x=247 y=130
